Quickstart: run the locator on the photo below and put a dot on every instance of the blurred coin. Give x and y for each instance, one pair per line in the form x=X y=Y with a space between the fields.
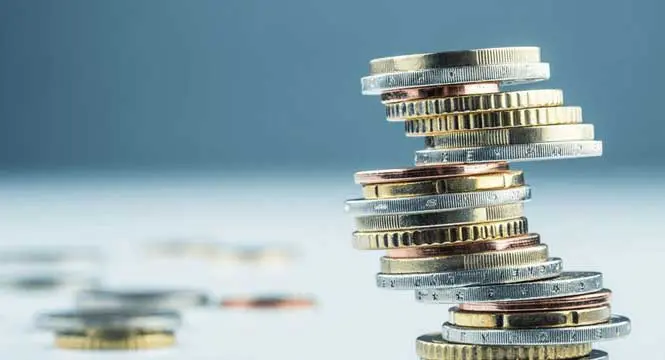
x=48 y=281
x=268 y=302
x=45 y=255
x=141 y=299
x=108 y=319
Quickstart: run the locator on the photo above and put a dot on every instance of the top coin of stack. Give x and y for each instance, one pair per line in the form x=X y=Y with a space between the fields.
x=453 y=226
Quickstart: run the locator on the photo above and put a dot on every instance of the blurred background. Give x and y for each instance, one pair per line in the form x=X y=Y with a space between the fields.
x=124 y=122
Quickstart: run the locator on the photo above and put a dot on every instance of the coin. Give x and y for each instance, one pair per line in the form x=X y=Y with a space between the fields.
x=425 y=173
x=458 y=184
x=467 y=247
x=569 y=283
x=439 y=91
x=144 y=299
x=433 y=347
x=108 y=319
x=506 y=74
x=433 y=107
x=53 y=280
x=114 y=340
x=528 y=319
x=268 y=302
x=617 y=327
x=450 y=279
x=578 y=301
x=439 y=235
x=482 y=260
x=438 y=202
x=487 y=56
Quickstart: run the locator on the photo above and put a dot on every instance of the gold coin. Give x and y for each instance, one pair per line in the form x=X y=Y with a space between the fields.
x=522 y=320
x=449 y=217
x=482 y=260
x=510 y=136
x=433 y=347
x=494 y=181
x=473 y=103
x=488 y=56
x=114 y=340
x=492 y=120
x=442 y=235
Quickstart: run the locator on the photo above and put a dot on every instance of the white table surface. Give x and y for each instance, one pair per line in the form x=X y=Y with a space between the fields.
x=592 y=224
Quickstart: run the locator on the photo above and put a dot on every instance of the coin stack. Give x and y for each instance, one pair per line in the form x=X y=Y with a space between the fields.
x=453 y=226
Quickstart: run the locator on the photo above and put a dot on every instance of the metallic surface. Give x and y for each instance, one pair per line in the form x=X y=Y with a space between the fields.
x=441 y=235
x=52 y=280
x=506 y=74
x=512 y=153
x=579 y=301
x=467 y=248
x=540 y=319
x=429 y=107
x=148 y=299
x=487 y=56
x=450 y=217
x=437 y=125
x=569 y=283
x=439 y=202
x=441 y=91
x=425 y=173
x=114 y=340
x=268 y=302
x=510 y=136
x=548 y=269
x=433 y=347
x=126 y=319
x=617 y=327
x=483 y=260
x=458 y=184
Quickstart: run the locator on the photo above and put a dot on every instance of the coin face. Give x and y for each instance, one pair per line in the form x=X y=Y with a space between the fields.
x=269 y=302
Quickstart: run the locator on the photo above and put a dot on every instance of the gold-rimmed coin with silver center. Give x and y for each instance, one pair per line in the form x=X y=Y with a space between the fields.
x=433 y=347
x=433 y=126
x=483 y=260
x=522 y=320
x=493 y=181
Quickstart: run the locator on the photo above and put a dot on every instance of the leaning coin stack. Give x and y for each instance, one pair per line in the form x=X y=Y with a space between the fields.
x=453 y=226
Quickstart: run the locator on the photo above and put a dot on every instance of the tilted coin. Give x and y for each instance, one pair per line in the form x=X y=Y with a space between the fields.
x=487 y=56
x=449 y=217
x=511 y=100
x=529 y=272
x=145 y=299
x=483 y=260
x=467 y=247
x=526 y=319
x=425 y=173
x=108 y=319
x=512 y=153
x=440 y=125
x=439 y=91
x=617 y=327
x=567 y=284
x=441 y=235
x=578 y=301
x=114 y=340
x=470 y=183
x=438 y=202
x=507 y=74
x=433 y=347
x=511 y=136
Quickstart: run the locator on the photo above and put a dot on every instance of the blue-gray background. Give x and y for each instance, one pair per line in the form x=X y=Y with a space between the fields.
x=257 y=84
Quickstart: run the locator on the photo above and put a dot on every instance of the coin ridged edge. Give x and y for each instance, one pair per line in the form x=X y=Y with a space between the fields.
x=500 y=101
x=505 y=73
x=530 y=319
x=433 y=126
x=384 y=240
x=131 y=342
x=587 y=282
x=486 y=56
x=433 y=347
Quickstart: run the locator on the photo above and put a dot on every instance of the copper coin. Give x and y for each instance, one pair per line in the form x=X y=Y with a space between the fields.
x=438 y=92
x=583 y=301
x=426 y=172
x=268 y=302
x=467 y=247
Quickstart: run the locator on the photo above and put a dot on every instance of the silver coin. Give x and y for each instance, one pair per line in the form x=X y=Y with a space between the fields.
x=140 y=299
x=566 y=284
x=453 y=279
x=108 y=319
x=442 y=217
x=517 y=73
x=431 y=203
x=594 y=355
x=49 y=255
x=48 y=281
x=618 y=326
x=520 y=152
